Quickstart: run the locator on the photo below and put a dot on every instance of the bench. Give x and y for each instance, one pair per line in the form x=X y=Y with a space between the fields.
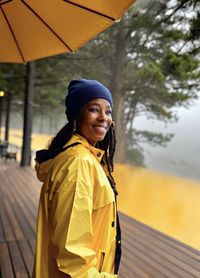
x=8 y=151
x=11 y=155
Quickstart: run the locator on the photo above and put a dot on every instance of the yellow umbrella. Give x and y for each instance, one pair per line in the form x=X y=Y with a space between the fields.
x=33 y=29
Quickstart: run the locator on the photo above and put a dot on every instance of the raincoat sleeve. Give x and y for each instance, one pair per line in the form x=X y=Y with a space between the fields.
x=71 y=226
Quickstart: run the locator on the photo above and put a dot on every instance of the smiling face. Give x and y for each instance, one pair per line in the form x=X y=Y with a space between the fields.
x=94 y=120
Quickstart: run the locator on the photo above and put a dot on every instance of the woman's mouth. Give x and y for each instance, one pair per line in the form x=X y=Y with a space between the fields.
x=101 y=127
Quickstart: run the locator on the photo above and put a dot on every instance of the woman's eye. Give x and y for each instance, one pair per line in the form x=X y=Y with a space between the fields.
x=93 y=109
x=109 y=112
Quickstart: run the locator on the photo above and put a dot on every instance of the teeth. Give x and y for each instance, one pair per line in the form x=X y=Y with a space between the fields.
x=101 y=126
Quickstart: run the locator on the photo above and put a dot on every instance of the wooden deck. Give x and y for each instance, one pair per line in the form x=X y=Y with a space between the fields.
x=146 y=252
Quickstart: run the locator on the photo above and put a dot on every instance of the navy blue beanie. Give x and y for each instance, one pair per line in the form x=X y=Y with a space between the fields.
x=82 y=91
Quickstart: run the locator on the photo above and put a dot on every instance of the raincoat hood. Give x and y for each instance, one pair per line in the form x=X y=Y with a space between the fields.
x=44 y=158
x=42 y=169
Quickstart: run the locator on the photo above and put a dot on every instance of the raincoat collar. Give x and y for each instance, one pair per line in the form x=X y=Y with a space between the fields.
x=98 y=153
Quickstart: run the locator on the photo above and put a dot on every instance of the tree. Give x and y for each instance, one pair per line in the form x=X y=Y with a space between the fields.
x=12 y=83
x=150 y=61
x=154 y=74
x=151 y=64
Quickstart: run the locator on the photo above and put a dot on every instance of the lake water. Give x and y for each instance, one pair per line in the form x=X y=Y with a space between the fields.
x=181 y=156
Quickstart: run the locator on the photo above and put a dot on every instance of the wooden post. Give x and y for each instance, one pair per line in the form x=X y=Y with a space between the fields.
x=28 y=100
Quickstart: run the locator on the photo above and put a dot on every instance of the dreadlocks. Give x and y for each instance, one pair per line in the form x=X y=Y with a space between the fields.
x=108 y=145
x=63 y=136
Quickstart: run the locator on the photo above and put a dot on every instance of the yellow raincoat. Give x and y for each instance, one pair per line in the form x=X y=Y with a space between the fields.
x=76 y=229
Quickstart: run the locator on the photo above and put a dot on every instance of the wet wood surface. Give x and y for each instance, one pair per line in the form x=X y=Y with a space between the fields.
x=146 y=252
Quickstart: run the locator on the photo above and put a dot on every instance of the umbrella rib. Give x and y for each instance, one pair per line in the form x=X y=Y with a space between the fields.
x=5 y=2
x=37 y=15
x=90 y=10
x=16 y=42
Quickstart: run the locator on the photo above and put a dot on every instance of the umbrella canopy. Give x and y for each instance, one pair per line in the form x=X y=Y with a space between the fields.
x=33 y=29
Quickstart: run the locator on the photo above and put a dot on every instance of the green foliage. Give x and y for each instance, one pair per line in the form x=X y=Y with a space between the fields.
x=178 y=66
x=12 y=78
x=134 y=151
x=175 y=35
x=195 y=28
x=12 y=81
x=153 y=138
x=135 y=156
x=151 y=71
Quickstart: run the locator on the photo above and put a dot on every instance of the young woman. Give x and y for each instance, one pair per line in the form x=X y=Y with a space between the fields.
x=78 y=232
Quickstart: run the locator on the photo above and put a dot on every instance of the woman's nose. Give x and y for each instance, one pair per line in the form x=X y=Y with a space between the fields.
x=102 y=116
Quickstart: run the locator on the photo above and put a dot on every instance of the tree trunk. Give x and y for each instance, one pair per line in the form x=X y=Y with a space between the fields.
x=27 y=128
x=7 y=117
x=116 y=86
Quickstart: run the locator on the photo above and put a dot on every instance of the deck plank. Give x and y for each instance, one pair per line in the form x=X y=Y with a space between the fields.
x=183 y=258
x=27 y=255
x=147 y=253
x=17 y=260
x=5 y=262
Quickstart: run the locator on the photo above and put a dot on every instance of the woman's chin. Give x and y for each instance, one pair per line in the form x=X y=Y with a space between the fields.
x=100 y=137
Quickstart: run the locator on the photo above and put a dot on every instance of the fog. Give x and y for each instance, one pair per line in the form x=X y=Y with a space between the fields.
x=181 y=156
